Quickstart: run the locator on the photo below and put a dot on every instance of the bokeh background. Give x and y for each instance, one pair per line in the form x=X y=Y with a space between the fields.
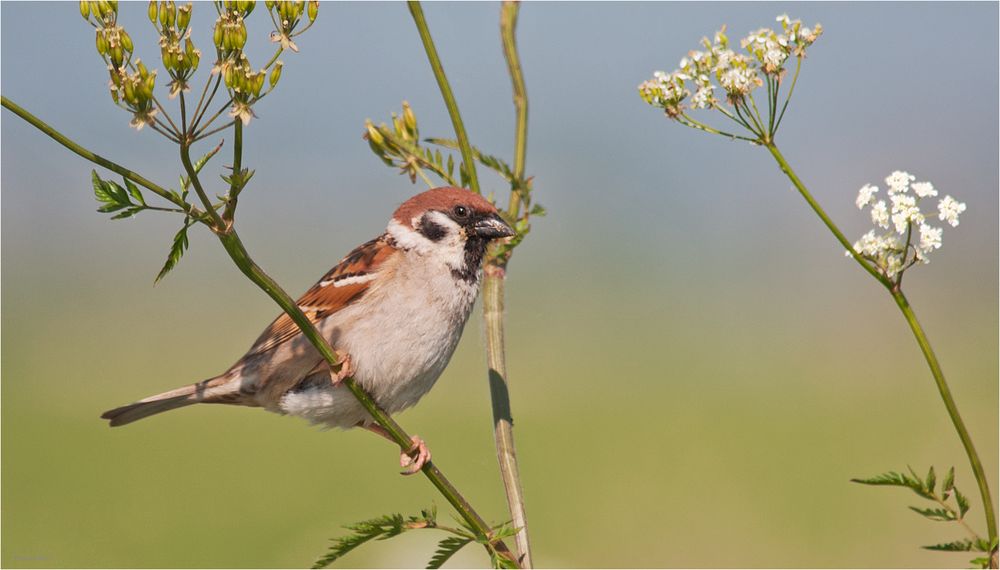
x=697 y=371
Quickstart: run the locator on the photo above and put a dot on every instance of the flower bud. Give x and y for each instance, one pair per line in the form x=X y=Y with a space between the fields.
x=276 y=73
x=151 y=11
x=313 y=10
x=409 y=119
x=85 y=9
x=374 y=136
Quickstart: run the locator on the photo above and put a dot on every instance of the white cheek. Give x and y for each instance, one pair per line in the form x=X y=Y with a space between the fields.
x=450 y=250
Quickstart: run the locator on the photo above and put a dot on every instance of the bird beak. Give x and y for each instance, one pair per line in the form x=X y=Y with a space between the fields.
x=492 y=227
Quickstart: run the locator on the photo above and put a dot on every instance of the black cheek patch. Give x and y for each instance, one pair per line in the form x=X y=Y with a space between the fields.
x=432 y=230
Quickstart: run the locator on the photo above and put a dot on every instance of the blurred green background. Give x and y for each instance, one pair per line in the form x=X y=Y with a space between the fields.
x=697 y=371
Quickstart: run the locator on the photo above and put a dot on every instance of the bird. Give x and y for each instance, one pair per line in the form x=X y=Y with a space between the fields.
x=394 y=308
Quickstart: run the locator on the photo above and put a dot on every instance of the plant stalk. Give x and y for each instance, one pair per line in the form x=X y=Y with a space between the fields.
x=949 y=404
x=417 y=11
x=918 y=333
x=234 y=247
x=494 y=275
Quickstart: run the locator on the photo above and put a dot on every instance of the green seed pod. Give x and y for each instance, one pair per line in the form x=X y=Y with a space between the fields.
x=183 y=17
x=269 y=4
x=113 y=4
x=126 y=41
x=313 y=10
x=247 y=6
x=151 y=12
x=117 y=57
x=116 y=79
x=163 y=14
x=217 y=34
x=85 y=9
x=258 y=83
x=165 y=56
x=129 y=93
x=276 y=73
x=241 y=36
x=227 y=75
x=102 y=43
x=171 y=13
x=114 y=95
x=143 y=72
x=148 y=85
x=194 y=58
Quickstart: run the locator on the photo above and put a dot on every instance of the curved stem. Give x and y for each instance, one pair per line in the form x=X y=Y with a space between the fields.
x=949 y=404
x=795 y=79
x=508 y=26
x=822 y=215
x=449 y=98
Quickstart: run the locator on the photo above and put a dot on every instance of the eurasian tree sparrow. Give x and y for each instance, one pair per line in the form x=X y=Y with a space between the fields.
x=396 y=306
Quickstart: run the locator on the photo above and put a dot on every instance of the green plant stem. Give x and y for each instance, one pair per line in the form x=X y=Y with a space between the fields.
x=449 y=98
x=234 y=247
x=783 y=164
x=493 y=302
x=92 y=157
x=237 y=179
x=918 y=333
x=949 y=404
x=508 y=26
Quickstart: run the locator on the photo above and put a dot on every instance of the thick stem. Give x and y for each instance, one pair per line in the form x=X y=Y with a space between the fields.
x=503 y=423
x=493 y=302
x=949 y=404
x=449 y=98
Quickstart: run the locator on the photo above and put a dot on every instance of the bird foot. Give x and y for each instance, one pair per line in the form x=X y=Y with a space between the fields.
x=346 y=369
x=413 y=460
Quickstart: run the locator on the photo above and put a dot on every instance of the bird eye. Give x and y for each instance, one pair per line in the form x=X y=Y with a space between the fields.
x=461 y=211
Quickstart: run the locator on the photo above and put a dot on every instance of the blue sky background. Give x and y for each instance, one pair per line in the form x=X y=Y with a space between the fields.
x=691 y=353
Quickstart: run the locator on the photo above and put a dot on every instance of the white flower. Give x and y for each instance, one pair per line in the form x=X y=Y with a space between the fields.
x=930 y=238
x=949 y=209
x=703 y=98
x=774 y=58
x=892 y=265
x=904 y=211
x=880 y=215
x=866 y=195
x=923 y=189
x=899 y=181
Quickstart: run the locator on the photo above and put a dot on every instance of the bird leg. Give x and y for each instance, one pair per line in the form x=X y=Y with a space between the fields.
x=413 y=459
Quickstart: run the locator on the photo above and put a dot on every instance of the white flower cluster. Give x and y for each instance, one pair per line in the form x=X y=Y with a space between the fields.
x=894 y=251
x=737 y=74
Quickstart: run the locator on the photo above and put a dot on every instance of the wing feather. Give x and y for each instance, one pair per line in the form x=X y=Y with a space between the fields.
x=340 y=287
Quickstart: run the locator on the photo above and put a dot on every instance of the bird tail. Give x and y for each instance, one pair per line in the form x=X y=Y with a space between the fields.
x=206 y=391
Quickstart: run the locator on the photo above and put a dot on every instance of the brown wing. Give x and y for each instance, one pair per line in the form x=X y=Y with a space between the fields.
x=341 y=286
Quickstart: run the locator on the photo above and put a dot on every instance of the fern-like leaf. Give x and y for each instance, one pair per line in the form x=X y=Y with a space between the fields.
x=447 y=548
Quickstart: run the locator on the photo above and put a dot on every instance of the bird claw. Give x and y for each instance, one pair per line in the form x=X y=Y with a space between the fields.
x=413 y=459
x=346 y=369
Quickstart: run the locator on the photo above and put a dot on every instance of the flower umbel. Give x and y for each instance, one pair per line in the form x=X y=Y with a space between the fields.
x=763 y=62
x=909 y=239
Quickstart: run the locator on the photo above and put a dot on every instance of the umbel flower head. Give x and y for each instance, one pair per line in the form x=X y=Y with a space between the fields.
x=908 y=239
x=761 y=61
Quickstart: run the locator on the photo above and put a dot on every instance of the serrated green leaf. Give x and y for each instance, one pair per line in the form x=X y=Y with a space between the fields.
x=538 y=210
x=981 y=562
x=895 y=479
x=133 y=190
x=111 y=207
x=127 y=213
x=949 y=481
x=117 y=193
x=180 y=244
x=931 y=481
x=935 y=513
x=963 y=503
x=99 y=192
x=446 y=549
x=955 y=546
